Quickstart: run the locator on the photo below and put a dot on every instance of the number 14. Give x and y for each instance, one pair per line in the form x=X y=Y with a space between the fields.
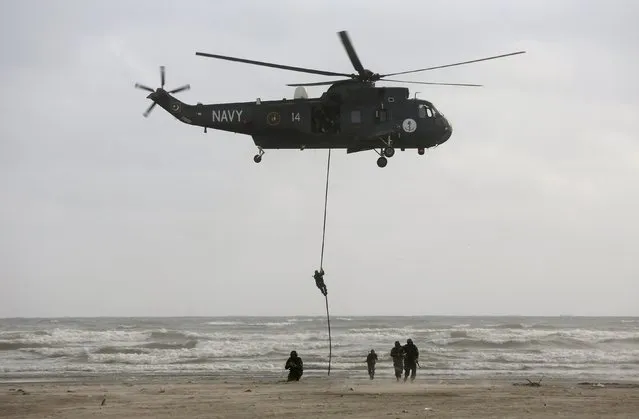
x=295 y=116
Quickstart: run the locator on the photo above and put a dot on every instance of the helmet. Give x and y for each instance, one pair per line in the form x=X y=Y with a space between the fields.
x=293 y=353
x=396 y=343
x=409 y=341
x=372 y=351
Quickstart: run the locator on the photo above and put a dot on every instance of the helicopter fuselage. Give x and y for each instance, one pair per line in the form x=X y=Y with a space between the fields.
x=348 y=116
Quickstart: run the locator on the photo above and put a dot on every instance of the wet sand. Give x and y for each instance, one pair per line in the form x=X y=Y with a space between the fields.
x=313 y=397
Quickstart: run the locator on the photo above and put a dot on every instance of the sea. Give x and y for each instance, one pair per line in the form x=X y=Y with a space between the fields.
x=584 y=348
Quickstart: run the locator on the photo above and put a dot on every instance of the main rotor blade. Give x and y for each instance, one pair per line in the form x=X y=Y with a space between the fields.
x=162 y=75
x=435 y=83
x=350 y=50
x=318 y=83
x=148 y=111
x=452 y=65
x=179 y=89
x=265 y=64
x=143 y=87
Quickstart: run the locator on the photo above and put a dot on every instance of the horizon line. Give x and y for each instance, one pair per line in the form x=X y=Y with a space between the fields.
x=318 y=316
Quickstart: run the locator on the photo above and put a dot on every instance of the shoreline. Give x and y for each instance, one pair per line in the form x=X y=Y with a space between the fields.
x=314 y=376
x=271 y=376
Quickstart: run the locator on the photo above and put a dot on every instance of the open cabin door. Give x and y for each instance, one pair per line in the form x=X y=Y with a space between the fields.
x=326 y=118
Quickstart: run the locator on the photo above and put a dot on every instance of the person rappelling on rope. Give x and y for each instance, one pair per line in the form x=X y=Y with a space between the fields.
x=319 y=281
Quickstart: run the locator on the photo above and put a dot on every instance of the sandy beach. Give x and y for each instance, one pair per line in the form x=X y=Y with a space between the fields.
x=316 y=397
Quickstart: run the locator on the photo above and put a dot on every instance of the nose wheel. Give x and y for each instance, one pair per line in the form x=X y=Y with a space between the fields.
x=258 y=157
x=382 y=162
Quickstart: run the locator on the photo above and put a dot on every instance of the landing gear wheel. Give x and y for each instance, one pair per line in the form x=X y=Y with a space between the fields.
x=389 y=152
x=420 y=151
x=258 y=156
x=381 y=162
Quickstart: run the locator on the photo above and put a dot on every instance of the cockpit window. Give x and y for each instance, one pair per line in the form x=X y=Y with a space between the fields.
x=426 y=111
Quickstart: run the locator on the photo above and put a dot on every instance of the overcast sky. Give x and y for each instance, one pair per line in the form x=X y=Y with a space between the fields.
x=530 y=208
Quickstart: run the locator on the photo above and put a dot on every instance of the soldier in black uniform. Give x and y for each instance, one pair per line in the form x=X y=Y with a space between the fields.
x=319 y=281
x=411 y=358
x=295 y=366
x=397 y=353
x=371 y=359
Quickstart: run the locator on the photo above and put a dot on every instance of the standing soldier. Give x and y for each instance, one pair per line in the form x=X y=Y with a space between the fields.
x=397 y=353
x=371 y=359
x=411 y=359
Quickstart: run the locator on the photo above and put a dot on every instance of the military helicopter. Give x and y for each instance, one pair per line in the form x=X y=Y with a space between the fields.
x=351 y=114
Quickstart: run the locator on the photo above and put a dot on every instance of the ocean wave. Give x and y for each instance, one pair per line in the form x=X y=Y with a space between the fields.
x=78 y=353
x=510 y=326
x=272 y=324
x=484 y=343
x=17 y=345
x=63 y=337
x=634 y=340
x=189 y=344
x=168 y=335
x=468 y=342
x=20 y=334
x=119 y=350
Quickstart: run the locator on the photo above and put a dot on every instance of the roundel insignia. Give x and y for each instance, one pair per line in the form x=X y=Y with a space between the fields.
x=409 y=125
x=175 y=107
x=273 y=118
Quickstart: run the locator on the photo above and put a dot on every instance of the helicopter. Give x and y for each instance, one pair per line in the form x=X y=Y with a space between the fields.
x=352 y=114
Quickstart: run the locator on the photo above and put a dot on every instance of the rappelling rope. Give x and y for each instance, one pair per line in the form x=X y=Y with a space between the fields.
x=328 y=318
x=328 y=169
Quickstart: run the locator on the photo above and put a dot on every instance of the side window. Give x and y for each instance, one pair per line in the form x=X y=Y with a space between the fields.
x=429 y=112
x=356 y=117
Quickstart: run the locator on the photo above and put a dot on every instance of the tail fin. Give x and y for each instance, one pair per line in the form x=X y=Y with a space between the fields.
x=162 y=97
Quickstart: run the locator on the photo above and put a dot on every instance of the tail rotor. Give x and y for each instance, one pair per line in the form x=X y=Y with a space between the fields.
x=154 y=93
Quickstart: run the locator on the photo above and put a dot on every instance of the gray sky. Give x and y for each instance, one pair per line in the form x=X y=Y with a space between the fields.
x=530 y=208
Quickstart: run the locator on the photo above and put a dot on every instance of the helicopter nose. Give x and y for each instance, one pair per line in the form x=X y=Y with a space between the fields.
x=448 y=130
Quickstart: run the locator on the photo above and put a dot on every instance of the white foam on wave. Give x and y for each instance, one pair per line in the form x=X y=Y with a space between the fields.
x=223 y=323
x=63 y=337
